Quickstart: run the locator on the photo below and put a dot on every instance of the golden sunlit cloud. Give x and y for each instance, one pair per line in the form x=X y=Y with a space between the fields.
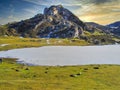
x=100 y=13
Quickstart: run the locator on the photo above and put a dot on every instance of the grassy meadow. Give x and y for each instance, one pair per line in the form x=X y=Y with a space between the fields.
x=14 y=76
x=17 y=42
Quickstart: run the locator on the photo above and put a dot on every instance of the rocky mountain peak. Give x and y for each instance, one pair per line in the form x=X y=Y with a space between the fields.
x=59 y=10
x=53 y=10
x=55 y=22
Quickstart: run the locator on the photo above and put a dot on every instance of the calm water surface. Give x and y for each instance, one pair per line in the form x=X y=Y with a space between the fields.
x=66 y=55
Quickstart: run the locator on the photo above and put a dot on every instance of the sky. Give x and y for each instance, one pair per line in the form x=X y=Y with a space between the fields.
x=99 y=11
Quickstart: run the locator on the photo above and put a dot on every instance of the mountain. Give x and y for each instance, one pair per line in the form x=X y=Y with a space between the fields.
x=98 y=26
x=115 y=28
x=59 y=22
x=55 y=22
x=114 y=25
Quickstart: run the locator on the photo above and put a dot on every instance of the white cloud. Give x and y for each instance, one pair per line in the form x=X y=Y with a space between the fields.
x=11 y=17
x=38 y=2
x=12 y=9
x=87 y=10
x=32 y=11
x=116 y=10
x=55 y=2
x=8 y=19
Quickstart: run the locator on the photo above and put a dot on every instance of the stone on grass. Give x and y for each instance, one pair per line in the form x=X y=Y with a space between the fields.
x=79 y=73
x=85 y=68
x=26 y=68
x=46 y=72
x=73 y=75
x=17 y=70
x=96 y=67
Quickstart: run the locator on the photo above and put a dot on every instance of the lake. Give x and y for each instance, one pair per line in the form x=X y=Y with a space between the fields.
x=66 y=55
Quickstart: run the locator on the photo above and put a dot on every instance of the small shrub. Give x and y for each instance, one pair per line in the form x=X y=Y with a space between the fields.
x=46 y=68
x=79 y=73
x=96 y=42
x=26 y=68
x=46 y=72
x=103 y=40
x=84 y=37
x=96 y=67
x=73 y=40
x=34 y=76
x=17 y=70
x=85 y=68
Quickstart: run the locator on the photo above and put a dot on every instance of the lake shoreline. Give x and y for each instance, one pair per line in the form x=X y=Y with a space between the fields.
x=13 y=76
x=65 y=55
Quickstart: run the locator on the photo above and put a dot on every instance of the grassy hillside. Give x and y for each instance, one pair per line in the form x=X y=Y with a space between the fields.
x=91 y=36
x=89 y=77
x=17 y=42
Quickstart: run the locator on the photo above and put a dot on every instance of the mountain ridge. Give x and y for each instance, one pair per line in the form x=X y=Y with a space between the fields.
x=54 y=19
x=59 y=22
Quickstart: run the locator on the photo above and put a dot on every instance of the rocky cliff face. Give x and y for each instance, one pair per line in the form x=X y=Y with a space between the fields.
x=55 y=22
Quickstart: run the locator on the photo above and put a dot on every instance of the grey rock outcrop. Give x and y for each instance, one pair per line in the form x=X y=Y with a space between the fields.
x=55 y=22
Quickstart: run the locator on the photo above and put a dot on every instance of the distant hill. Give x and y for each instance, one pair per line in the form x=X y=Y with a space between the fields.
x=115 y=28
x=98 y=26
x=114 y=25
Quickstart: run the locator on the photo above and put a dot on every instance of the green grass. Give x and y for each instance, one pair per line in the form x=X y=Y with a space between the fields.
x=15 y=76
x=16 y=42
x=21 y=77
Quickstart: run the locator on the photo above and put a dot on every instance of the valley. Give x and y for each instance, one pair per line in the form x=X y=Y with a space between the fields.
x=59 y=52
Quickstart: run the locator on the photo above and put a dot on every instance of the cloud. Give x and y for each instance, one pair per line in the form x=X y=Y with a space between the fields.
x=41 y=2
x=100 y=11
x=12 y=9
x=33 y=11
x=100 y=1
x=97 y=1
x=11 y=17
x=102 y=15
x=116 y=10
x=54 y=2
